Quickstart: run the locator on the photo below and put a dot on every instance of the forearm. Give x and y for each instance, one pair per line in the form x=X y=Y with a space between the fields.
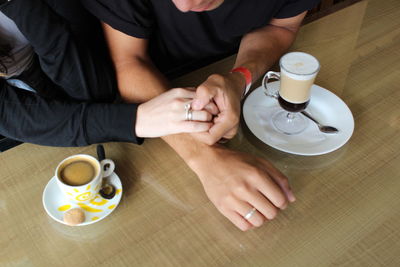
x=30 y=118
x=260 y=49
x=139 y=81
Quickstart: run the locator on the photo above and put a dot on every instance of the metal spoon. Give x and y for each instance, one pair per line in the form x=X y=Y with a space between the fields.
x=322 y=128
x=107 y=190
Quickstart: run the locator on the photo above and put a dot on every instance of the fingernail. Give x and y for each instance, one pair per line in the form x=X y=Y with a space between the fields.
x=291 y=197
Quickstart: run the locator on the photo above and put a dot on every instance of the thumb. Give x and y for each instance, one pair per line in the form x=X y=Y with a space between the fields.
x=203 y=96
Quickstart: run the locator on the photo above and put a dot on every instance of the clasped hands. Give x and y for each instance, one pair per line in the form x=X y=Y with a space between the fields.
x=248 y=190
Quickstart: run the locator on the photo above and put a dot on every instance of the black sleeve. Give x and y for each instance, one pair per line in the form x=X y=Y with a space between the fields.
x=26 y=117
x=134 y=18
x=69 y=49
x=295 y=7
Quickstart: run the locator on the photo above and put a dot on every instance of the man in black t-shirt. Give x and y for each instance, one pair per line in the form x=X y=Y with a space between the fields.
x=147 y=38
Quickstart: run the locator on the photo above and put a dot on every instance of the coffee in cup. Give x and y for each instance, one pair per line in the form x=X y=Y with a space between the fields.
x=78 y=172
x=80 y=176
x=298 y=72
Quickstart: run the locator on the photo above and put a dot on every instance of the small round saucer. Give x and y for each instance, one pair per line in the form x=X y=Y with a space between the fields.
x=56 y=204
x=324 y=106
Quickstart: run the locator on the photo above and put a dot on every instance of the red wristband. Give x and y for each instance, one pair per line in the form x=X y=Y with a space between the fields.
x=247 y=76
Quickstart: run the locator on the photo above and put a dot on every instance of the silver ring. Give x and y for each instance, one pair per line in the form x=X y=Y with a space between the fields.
x=188 y=112
x=250 y=213
x=190 y=115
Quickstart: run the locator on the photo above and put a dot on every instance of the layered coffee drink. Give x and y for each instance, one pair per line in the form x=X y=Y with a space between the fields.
x=298 y=72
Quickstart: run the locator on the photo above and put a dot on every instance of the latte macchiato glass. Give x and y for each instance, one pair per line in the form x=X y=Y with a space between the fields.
x=79 y=177
x=298 y=72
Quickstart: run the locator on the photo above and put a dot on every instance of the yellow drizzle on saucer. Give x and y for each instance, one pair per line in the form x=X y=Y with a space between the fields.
x=64 y=207
x=89 y=209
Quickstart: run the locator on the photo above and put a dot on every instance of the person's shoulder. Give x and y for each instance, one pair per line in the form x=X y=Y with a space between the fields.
x=133 y=17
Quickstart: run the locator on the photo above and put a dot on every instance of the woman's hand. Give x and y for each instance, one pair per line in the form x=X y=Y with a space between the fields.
x=166 y=115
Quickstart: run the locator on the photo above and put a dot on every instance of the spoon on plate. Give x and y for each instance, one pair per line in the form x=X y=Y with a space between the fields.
x=323 y=128
x=107 y=190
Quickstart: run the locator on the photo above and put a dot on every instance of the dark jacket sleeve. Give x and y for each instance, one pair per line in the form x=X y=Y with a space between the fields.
x=27 y=117
x=69 y=44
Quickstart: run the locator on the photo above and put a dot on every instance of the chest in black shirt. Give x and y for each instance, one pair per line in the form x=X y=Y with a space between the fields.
x=180 y=39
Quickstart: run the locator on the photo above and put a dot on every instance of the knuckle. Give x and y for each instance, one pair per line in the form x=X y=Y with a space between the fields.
x=179 y=91
x=216 y=77
x=241 y=189
x=204 y=89
x=255 y=173
x=177 y=104
x=223 y=203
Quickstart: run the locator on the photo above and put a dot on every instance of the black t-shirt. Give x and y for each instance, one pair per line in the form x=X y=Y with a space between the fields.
x=177 y=38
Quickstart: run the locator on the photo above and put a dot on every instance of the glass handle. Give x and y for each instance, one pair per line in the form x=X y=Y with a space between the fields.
x=268 y=91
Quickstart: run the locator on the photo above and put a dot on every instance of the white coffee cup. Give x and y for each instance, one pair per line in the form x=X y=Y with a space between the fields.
x=84 y=193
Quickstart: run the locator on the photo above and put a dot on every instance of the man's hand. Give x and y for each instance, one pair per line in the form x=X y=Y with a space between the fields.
x=239 y=182
x=225 y=91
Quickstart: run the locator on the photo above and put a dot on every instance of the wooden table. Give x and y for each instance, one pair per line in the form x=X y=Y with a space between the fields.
x=347 y=211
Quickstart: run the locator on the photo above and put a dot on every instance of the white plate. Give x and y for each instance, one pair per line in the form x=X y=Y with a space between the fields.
x=56 y=204
x=325 y=106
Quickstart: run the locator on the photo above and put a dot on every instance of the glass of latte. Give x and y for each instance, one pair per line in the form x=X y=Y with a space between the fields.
x=298 y=72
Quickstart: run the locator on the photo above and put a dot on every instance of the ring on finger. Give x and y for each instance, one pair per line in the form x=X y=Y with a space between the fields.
x=188 y=111
x=250 y=213
x=190 y=115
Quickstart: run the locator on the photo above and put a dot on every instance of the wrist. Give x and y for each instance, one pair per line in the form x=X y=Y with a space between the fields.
x=200 y=164
x=192 y=151
x=239 y=81
x=139 y=127
x=246 y=74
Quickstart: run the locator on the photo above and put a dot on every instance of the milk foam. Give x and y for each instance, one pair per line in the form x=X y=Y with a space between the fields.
x=299 y=65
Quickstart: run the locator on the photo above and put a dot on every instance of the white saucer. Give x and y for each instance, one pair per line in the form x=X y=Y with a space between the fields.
x=325 y=106
x=56 y=204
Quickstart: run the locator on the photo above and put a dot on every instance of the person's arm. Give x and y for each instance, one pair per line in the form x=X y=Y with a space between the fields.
x=27 y=117
x=70 y=52
x=258 y=51
x=233 y=181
